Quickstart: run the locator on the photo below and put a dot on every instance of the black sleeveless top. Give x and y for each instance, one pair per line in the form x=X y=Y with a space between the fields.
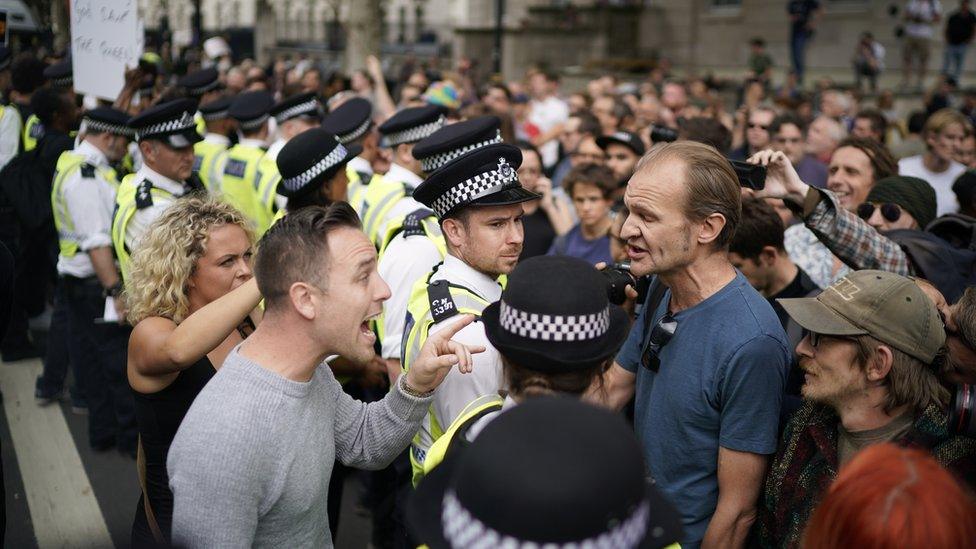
x=159 y=416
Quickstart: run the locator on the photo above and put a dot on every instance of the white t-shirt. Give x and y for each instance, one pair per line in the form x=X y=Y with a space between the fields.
x=941 y=182
x=545 y=114
x=927 y=12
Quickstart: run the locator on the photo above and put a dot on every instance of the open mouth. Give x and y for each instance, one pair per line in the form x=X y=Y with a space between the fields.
x=635 y=252
x=366 y=329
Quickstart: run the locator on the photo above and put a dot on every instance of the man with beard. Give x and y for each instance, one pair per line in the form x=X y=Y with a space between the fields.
x=478 y=200
x=871 y=358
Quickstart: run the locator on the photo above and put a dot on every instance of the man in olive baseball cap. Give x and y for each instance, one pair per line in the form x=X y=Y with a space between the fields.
x=872 y=357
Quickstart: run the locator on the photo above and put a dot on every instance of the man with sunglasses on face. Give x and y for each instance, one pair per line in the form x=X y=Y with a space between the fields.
x=707 y=358
x=887 y=236
x=872 y=357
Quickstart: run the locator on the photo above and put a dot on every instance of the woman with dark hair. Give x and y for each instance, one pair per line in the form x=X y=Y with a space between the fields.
x=544 y=219
x=312 y=167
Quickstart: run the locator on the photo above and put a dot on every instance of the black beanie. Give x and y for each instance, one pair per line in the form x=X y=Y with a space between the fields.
x=914 y=195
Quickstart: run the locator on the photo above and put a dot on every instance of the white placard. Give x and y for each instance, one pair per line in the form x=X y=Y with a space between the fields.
x=105 y=40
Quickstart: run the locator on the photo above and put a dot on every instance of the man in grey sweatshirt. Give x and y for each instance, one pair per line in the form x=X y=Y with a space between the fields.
x=251 y=462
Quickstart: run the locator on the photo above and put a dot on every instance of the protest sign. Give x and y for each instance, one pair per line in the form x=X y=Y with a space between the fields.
x=105 y=40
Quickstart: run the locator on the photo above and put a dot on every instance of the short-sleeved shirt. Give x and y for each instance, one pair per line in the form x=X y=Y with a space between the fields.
x=720 y=383
x=574 y=244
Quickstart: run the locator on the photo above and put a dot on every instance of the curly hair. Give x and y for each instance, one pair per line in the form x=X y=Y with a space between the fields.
x=168 y=254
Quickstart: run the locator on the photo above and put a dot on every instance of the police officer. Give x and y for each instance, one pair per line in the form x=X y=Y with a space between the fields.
x=203 y=86
x=59 y=76
x=414 y=244
x=312 y=167
x=245 y=166
x=9 y=117
x=293 y=115
x=208 y=154
x=166 y=134
x=82 y=198
x=384 y=202
x=477 y=199
x=352 y=123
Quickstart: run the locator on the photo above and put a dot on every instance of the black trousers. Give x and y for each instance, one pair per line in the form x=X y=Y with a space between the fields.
x=98 y=353
x=51 y=381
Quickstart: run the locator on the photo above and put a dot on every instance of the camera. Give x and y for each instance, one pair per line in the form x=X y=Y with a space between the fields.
x=618 y=278
x=751 y=176
x=663 y=134
x=961 y=411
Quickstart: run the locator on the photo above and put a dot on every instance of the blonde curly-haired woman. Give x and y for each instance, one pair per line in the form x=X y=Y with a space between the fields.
x=191 y=298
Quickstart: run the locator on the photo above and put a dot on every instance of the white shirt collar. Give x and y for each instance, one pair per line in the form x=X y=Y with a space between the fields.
x=458 y=272
x=160 y=181
x=92 y=154
x=251 y=142
x=361 y=165
x=216 y=139
x=275 y=149
x=403 y=175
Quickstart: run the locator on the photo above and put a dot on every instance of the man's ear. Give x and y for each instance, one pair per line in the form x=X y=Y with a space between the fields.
x=710 y=228
x=879 y=365
x=454 y=231
x=300 y=295
x=768 y=255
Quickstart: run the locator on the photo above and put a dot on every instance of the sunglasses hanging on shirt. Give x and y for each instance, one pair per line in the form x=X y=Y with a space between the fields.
x=889 y=211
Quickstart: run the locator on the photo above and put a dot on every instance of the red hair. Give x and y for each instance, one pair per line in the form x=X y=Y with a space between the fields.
x=893 y=497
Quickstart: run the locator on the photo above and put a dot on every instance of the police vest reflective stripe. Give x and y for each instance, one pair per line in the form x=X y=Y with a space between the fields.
x=205 y=158
x=68 y=163
x=125 y=207
x=266 y=190
x=430 y=303
x=356 y=189
x=455 y=436
x=33 y=130
x=380 y=197
x=239 y=184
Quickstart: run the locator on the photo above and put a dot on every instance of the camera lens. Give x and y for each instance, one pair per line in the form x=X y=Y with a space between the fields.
x=961 y=411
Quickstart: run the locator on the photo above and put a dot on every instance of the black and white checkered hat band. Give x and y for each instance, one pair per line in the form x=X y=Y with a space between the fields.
x=89 y=124
x=254 y=124
x=542 y=327
x=440 y=160
x=216 y=115
x=320 y=167
x=63 y=82
x=414 y=134
x=347 y=138
x=477 y=187
x=464 y=530
x=310 y=107
x=185 y=122
x=203 y=89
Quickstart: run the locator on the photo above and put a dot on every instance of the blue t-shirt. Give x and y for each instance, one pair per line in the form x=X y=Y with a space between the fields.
x=574 y=245
x=720 y=383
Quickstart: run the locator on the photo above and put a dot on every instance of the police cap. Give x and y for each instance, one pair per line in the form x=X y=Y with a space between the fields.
x=484 y=177
x=310 y=158
x=302 y=104
x=251 y=109
x=107 y=119
x=454 y=140
x=171 y=122
x=60 y=74
x=412 y=124
x=216 y=109
x=200 y=82
x=350 y=120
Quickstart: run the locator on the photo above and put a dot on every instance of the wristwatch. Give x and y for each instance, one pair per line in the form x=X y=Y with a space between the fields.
x=113 y=291
x=406 y=388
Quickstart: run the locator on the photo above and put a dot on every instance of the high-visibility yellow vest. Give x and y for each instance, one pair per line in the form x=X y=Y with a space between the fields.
x=239 y=184
x=454 y=436
x=356 y=190
x=267 y=189
x=430 y=303
x=380 y=197
x=205 y=158
x=33 y=131
x=68 y=163
x=132 y=196
x=201 y=123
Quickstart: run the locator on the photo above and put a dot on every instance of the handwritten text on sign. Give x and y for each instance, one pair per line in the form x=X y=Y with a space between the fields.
x=104 y=42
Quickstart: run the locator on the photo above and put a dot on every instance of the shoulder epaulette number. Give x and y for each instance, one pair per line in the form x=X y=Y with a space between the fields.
x=87 y=171
x=144 y=194
x=413 y=223
x=442 y=304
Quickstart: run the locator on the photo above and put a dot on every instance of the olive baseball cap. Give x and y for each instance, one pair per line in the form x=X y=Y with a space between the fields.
x=889 y=307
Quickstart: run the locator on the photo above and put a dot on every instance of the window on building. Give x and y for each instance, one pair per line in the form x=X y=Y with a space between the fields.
x=726 y=2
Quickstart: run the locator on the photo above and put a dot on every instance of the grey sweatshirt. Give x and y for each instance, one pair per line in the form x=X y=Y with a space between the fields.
x=251 y=462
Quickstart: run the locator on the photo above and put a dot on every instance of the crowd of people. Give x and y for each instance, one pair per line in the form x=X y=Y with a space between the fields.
x=266 y=280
